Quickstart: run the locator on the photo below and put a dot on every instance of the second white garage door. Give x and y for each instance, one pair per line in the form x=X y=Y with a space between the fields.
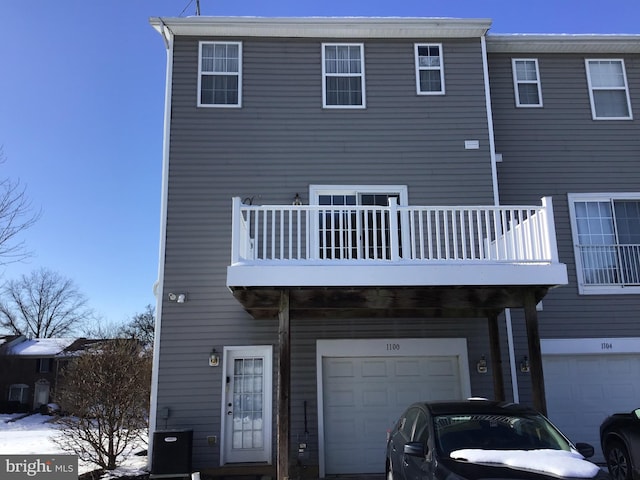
x=582 y=390
x=363 y=396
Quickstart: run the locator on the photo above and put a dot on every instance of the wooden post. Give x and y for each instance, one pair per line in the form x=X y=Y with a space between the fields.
x=284 y=383
x=535 y=354
x=496 y=358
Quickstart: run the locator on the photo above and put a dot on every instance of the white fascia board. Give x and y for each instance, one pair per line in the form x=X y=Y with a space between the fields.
x=324 y=27
x=396 y=275
x=555 y=43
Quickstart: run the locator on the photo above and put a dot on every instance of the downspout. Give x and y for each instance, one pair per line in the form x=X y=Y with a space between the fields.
x=158 y=287
x=496 y=202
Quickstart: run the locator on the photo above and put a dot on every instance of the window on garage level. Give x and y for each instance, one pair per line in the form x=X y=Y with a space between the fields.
x=343 y=75
x=526 y=82
x=220 y=74
x=18 y=392
x=608 y=90
x=606 y=234
x=429 y=69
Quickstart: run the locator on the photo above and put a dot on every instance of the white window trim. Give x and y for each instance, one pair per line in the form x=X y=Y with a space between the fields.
x=591 y=88
x=201 y=73
x=517 y=82
x=418 y=68
x=361 y=75
x=583 y=288
x=316 y=190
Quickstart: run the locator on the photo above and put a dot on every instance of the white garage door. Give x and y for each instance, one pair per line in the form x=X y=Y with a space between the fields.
x=582 y=390
x=364 y=396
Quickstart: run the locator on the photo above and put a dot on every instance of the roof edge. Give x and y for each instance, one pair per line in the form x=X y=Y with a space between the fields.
x=563 y=43
x=324 y=27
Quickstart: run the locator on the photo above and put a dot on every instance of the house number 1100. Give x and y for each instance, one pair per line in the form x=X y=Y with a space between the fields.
x=393 y=346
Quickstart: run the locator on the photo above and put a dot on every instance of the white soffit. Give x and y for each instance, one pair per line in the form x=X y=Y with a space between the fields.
x=324 y=27
x=589 y=44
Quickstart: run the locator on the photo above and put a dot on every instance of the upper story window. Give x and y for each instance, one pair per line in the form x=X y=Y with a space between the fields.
x=608 y=89
x=44 y=365
x=343 y=75
x=606 y=236
x=526 y=82
x=220 y=74
x=429 y=69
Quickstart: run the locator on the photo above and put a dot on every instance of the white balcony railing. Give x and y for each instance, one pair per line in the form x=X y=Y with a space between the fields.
x=321 y=234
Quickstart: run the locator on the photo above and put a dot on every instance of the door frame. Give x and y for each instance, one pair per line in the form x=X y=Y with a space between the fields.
x=386 y=347
x=266 y=351
x=315 y=191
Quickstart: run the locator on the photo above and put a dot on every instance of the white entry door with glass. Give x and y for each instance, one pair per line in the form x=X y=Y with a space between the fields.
x=246 y=412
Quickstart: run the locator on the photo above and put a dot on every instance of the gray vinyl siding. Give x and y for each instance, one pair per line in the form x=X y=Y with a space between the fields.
x=559 y=149
x=275 y=146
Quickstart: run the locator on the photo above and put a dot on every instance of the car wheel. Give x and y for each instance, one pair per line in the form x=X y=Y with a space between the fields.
x=618 y=461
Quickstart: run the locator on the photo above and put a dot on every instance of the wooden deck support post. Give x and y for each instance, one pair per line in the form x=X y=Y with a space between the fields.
x=284 y=384
x=496 y=358
x=535 y=354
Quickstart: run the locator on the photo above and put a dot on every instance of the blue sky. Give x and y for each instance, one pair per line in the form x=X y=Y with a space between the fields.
x=81 y=117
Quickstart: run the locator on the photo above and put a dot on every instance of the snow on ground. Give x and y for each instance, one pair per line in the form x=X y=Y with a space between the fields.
x=36 y=435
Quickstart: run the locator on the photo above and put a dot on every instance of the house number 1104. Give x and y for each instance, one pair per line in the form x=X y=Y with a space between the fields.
x=393 y=346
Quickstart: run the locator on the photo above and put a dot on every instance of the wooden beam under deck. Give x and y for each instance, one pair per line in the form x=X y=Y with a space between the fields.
x=386 y=302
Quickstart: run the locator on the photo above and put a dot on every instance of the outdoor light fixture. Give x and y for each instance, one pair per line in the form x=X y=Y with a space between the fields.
x=297 y=201
x=178 y=297
x=214 y=358
x=524 y=365
x=482 y=365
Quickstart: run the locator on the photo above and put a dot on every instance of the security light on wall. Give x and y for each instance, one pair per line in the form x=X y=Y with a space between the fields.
x=214 y=358
x=524 y=365
x=481 y=366
x=178 y=297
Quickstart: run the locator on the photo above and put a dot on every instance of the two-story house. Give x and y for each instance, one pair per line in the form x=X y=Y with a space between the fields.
x=358 y=213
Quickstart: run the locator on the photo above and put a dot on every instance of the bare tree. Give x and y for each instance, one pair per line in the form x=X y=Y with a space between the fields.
x=16 y=215
x=43 y=304
x=141 y=326
x=106 y=394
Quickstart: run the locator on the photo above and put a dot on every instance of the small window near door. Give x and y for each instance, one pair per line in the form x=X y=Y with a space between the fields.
x=18 y=393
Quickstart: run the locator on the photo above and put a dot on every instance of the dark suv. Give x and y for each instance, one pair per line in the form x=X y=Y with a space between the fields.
x=480 y=439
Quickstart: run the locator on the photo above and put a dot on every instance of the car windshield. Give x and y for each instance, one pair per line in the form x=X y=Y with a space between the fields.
x=496 y=432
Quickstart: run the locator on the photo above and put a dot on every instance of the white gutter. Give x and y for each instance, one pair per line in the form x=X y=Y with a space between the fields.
x=159 y=286
x=570 y=43
x=496 y=201
x=325 y=27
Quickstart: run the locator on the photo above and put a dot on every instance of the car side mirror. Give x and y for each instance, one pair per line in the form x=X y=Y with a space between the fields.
x=415 y=449
x=637 y=413
x=585 y=449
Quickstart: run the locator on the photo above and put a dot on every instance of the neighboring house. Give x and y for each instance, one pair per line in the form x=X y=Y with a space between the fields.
x=362 y=212
x=31 y=367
